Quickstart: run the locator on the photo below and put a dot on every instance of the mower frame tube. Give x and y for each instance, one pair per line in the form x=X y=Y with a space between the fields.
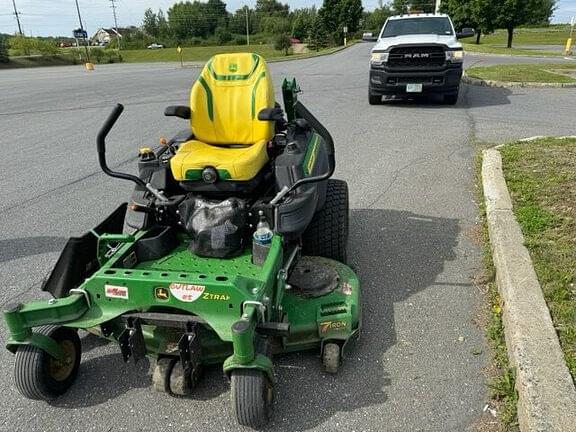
x=21 y=319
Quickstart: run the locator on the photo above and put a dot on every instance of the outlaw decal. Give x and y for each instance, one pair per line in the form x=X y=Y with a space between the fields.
x=186 y=292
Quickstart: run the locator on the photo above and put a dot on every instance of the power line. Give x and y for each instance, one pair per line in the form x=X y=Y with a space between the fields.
x=113 y=2
x=17 y=15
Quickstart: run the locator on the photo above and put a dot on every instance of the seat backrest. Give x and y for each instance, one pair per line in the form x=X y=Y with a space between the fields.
x=227 y=97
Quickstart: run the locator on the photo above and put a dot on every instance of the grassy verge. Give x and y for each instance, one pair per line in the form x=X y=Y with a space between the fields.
x=541 y=176
x=503 y=377
x=541 y=73
x=553 y=35
x=204 y=53
x=491 y=49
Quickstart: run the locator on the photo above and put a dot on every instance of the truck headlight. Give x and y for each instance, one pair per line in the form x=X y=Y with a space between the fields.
x=378 y=58
x=455 y=56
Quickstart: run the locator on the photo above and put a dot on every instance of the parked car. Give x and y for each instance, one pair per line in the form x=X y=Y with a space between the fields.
x=155 y=46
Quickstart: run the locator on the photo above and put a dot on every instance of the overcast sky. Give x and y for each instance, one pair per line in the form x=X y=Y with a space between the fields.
x=58 y=17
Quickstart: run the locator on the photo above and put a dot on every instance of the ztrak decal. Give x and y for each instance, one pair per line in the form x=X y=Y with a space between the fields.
x=327 y=326
x=113 y=291
x=161 y=293
x=211 y=296
x=186 y=292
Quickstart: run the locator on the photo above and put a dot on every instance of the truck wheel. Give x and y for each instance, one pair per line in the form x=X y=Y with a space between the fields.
x=252 y=397
x=327 y=234
x=451 y=99
x=374 y=99
x=40 y=376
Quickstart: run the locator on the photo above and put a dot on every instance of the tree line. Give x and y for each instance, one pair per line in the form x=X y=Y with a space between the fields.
x=195 y=22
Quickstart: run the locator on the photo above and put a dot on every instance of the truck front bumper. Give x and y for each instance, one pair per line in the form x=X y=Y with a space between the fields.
x=391 y=82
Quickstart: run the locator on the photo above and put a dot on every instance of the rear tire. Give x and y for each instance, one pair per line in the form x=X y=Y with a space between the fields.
x=252 y=397
x=327 y=234
x=40 y=376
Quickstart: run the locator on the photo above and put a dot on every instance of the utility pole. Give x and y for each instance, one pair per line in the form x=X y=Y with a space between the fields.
x=82 y=29
x=247 y=27
x=437 y=9
x=115 y=22
x=17 y=15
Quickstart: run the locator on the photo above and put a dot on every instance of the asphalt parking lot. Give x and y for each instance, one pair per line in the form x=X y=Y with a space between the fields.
x=413 y=241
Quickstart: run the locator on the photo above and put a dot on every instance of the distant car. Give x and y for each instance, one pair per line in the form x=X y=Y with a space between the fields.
x=155 y=46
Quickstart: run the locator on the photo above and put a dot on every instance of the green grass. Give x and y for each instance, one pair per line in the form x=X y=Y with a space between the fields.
x=490 y=49
x=553 y=35
x=541 y=176
x=204 y=53
x=503 y=376
x=541 y=73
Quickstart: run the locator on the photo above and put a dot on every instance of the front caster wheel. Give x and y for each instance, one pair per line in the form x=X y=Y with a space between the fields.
x=331 y=358
x=161 y=374
x=252 y=397
x=40 y=376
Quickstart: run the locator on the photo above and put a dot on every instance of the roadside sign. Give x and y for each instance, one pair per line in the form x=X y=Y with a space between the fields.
x=345 y=29
x=80 y=34
x=179 y=49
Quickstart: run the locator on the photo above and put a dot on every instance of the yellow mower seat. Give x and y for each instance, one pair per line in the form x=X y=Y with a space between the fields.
x=225 y=101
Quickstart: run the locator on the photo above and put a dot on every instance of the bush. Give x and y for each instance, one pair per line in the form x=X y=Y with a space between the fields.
x=223 y=36
x=44 y=47
x=240 y=40
x=3 y=49
x=283 y=43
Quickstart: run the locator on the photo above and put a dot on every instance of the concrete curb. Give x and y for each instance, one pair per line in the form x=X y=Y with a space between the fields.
x=509 y=84
x=477 y=53
x=547 y=396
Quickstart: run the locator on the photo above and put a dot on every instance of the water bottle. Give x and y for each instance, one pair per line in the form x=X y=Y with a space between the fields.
x=261 y=240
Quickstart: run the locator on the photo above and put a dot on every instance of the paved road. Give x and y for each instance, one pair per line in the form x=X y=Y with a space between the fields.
x=410 y=170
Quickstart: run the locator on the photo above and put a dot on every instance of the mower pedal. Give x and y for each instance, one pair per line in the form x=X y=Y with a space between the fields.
x=131 y=341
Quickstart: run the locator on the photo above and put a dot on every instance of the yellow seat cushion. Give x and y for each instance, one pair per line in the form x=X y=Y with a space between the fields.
x=225 y=101
x=238 y=163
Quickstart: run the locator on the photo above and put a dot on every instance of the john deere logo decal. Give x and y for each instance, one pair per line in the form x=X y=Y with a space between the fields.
x=161 y=293
x=233 y=67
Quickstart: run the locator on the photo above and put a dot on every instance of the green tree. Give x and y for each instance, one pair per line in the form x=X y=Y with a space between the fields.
x=187 y=19
x=150 y=23
x=318 y=37
x=329 y=13
x=237 y=23
x=216 y=15
x=405 y=6
x=302 y=22
x=271 y=8
x=4 y=49
x=376 y=19
x=22 y=45
x=283 y=43
x=514 y=13
x=163 y=27
x=350 y=14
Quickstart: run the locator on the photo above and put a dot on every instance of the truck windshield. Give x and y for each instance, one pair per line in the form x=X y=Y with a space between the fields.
x=410 y=26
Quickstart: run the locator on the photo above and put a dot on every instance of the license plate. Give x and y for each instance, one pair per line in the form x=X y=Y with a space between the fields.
x=413 y=88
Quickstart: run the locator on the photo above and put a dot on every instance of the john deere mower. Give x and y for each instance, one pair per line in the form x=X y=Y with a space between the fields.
x=232 y=250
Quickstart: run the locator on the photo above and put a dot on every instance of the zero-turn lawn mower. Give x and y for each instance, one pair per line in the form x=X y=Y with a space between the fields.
x=232 y=250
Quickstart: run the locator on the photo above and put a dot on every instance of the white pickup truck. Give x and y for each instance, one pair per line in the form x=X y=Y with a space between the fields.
x=417 y=54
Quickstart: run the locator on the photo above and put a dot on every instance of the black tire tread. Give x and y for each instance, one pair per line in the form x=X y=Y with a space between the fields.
x=248 y=403
x=29 y=375
x=327 y=234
